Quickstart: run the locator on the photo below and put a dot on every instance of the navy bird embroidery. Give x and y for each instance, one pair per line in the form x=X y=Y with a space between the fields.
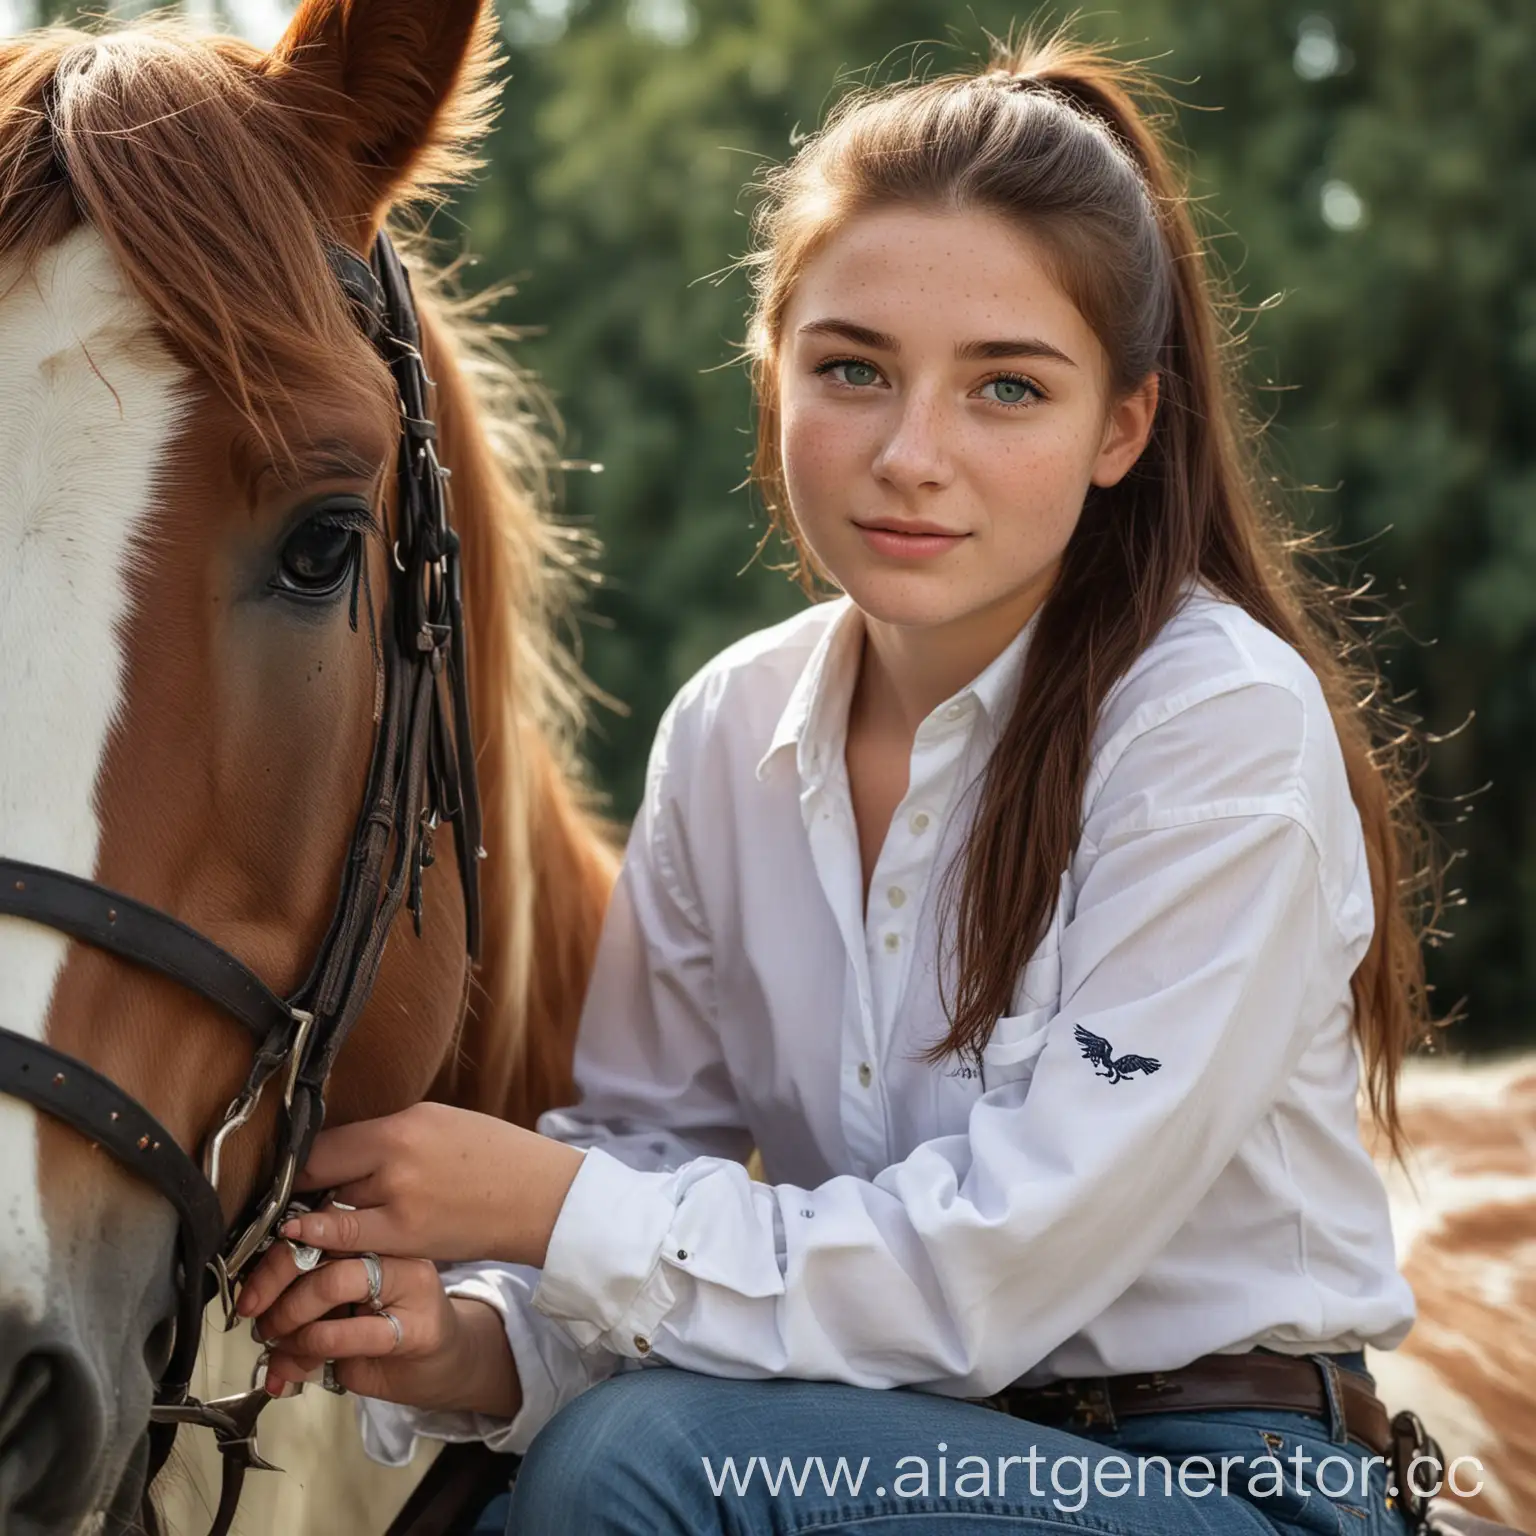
x=1099 y=1051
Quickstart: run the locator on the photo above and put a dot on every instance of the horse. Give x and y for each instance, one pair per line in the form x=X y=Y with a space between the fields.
x=198 y=442
x=1464 y=1217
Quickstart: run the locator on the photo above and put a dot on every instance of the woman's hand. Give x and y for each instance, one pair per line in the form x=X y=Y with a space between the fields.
x=438 y=1352
x=433 y=1182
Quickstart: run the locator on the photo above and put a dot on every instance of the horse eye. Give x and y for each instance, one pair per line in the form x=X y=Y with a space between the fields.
x=318 y=557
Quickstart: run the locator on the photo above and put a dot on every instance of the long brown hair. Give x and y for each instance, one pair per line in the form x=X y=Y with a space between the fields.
x=1051 y=135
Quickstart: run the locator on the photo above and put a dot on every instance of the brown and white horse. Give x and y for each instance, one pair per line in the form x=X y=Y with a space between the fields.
x=192 y=432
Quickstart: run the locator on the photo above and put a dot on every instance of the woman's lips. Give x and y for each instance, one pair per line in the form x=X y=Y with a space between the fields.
x=921 y=542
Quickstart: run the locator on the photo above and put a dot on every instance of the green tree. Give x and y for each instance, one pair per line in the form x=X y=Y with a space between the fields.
x=1373 y=164
x=1378 y=165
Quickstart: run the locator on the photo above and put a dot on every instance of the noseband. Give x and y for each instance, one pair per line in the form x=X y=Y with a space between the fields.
x=421 y=775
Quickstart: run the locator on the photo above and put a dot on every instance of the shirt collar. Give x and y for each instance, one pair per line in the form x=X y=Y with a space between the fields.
x=815 y=719
x=821 y=693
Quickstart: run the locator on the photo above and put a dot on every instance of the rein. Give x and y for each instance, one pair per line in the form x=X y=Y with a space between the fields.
x=422 y=774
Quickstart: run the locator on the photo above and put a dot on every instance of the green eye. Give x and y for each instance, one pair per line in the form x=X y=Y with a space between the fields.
x=1011 y=391
x=845 y=371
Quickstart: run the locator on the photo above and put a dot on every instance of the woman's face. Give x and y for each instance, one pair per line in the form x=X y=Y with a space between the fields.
x=944 y=410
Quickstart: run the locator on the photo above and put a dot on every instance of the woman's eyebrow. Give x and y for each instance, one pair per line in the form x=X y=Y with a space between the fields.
x=965 y=352
x=1028 y=346
x=860 y=335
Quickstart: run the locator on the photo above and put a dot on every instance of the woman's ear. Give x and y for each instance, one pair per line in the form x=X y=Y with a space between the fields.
x=1126 y=432
x=388 y=98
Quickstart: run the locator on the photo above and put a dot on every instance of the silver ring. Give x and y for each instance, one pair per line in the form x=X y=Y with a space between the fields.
x=394 y=1322
x=374 y=1269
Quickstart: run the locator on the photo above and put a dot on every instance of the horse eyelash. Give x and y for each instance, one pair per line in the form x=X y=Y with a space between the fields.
x=353 y=518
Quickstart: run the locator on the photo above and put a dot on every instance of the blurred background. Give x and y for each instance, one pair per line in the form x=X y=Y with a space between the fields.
x=1368 y=173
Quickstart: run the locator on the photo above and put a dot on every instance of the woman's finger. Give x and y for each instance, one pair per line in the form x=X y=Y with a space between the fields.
x=275 y=1272
x=339 y=1283
x=368 y=1337
x=361 y=1193
x=336 y=1231
x=285 y=1370
x=345 y=1155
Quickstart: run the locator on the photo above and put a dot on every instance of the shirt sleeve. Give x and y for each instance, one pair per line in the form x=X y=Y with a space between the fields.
x=655 y=1095
x=1204 y=951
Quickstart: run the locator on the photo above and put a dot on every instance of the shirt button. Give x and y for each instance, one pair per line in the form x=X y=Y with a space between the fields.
x=642 y=1344
x=892 y=943
x=897 y=895
x=866 y=1074
x=919 y=822
x=954 y=711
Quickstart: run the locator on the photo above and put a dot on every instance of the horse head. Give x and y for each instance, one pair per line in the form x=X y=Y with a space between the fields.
x=198 y=527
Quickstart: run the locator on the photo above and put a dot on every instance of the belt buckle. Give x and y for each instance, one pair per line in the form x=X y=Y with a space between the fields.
x=1091 y=1408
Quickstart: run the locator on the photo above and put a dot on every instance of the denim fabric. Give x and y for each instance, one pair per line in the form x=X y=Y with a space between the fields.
x=628 y=1458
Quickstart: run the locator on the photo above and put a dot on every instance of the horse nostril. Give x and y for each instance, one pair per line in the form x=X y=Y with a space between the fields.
x=158 y=1346
x=50 y=1433
x=28 y=1388
x=31 y=1434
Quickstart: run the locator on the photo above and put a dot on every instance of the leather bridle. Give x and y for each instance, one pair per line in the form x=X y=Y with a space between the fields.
x=422 y=774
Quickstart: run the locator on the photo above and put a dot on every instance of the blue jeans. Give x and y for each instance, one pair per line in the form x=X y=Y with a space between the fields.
x=663 y=1452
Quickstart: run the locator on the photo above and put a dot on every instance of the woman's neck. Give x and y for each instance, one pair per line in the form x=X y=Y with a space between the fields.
x=907 y=671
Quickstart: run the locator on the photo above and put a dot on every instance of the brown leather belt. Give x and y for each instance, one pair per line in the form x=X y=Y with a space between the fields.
x=1213 y=1383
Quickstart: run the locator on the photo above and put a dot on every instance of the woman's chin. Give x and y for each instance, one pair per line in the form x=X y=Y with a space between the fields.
x=908 y=599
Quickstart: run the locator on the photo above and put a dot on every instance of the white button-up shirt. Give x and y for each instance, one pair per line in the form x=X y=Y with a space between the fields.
x=1158 y=1156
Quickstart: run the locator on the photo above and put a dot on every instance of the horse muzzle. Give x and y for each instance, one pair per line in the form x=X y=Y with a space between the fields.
x=76 y=1383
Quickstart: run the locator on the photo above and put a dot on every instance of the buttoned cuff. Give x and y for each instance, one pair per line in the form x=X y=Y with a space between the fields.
x=603 y=1279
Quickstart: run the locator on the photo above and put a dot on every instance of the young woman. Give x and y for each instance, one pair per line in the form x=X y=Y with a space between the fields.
x=1026 y=906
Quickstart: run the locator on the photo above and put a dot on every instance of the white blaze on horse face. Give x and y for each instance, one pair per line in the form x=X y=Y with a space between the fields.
x=89 y=401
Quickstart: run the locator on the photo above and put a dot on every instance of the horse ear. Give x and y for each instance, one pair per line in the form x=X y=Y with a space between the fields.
x=398 y=93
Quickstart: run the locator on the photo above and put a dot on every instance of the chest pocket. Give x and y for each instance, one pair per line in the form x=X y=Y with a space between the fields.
x=1019 y=1037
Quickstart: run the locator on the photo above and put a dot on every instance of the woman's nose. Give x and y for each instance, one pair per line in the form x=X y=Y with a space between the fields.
x=916 y=455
